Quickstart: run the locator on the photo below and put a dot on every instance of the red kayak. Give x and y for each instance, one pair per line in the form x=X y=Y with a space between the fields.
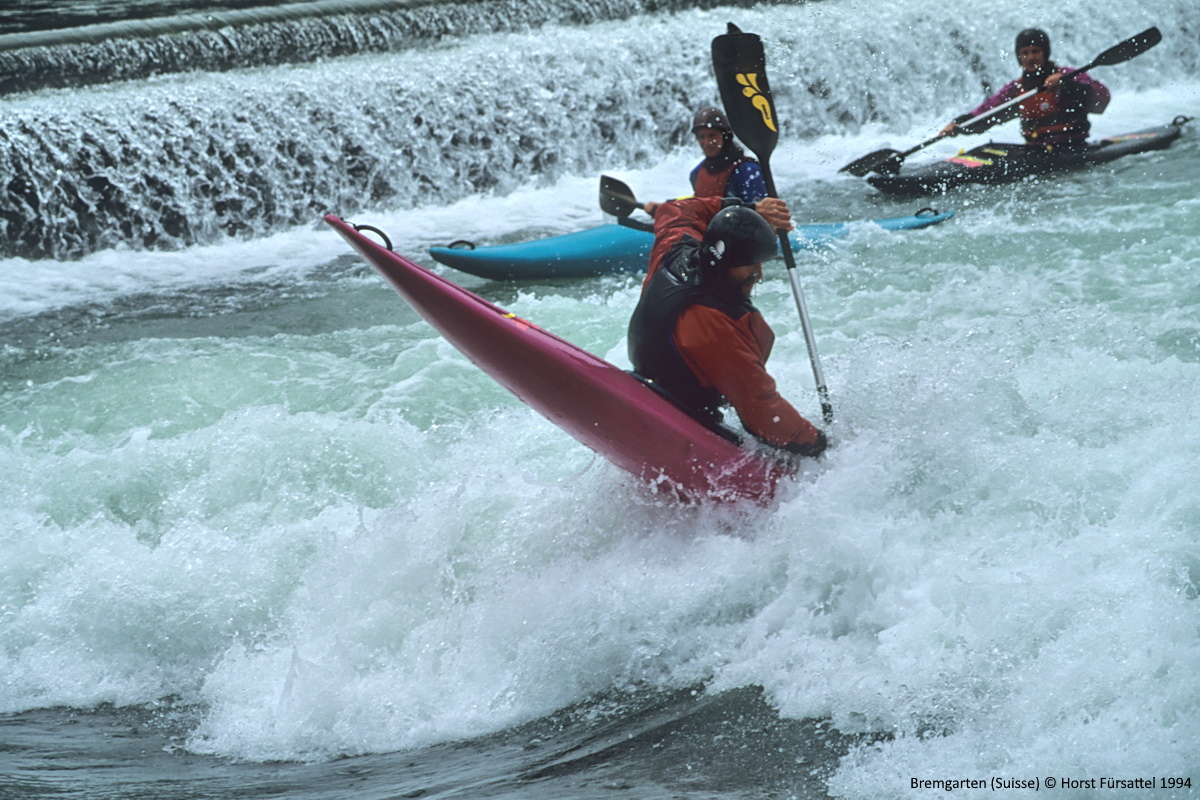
x=601 y=405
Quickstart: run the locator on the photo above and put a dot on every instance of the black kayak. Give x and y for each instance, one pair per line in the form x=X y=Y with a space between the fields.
x=1004 y=163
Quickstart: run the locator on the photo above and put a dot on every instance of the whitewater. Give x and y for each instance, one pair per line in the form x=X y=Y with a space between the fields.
x=264 y=533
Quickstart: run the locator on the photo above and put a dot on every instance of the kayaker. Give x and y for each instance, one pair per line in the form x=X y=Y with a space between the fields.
x=696 y=333
x=1057 y=116
x=726 y=170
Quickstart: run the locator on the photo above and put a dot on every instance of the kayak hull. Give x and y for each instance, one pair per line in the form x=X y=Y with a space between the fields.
x=1006 y=163
x=596 y=402
x=609 y=249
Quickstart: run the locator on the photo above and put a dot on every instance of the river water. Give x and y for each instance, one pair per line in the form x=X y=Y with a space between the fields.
x=264 y=534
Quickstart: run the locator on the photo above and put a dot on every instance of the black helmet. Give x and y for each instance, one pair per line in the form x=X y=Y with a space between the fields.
x=1033 y=37
x=710 y=117
x=737 y=237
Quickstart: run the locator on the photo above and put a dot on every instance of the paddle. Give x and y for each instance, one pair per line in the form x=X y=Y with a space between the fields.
x=617 y=198
x=888 y=160
x=741 y=69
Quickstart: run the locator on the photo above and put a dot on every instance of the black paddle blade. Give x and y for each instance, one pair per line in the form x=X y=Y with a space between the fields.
x=886 y=160
x=741 y=69
x=616 y=197
x=1133 y=46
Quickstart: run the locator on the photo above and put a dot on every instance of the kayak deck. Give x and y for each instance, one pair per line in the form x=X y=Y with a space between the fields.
x=996 y=163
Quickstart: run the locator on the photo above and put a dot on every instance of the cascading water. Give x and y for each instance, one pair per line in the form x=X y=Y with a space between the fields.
x=193 y=157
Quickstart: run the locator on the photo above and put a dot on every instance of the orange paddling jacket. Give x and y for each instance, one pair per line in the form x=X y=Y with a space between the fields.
x=704 y=346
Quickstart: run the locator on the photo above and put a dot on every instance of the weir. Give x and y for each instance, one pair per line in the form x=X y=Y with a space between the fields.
x=214 y=20
x=130 y=49
x=165 y=140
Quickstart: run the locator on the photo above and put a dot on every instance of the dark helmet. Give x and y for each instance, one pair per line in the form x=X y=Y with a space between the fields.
x=737 y=237
x=710 y=117
x=1033 y=37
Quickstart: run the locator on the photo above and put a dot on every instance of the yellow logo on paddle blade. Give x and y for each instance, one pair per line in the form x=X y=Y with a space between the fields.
x=749 y=82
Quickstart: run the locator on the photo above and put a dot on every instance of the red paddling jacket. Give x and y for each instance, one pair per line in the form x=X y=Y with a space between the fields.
x=704 y=346
x=1050 y=118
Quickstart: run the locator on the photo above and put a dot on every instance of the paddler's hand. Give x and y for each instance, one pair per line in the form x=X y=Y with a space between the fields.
x=949 y=130
x=1052 y=81
x=651 y=207
x=775 y=212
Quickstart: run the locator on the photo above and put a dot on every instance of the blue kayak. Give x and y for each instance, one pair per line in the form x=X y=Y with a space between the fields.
x=618 y=248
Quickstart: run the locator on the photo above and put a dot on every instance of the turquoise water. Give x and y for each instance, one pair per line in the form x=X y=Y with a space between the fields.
x=265 y=534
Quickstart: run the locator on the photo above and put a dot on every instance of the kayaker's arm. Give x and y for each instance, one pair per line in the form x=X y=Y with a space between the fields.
x=989 y=113
x=775 y=212
x=730 y=355
x=747 y=182
x=1080 y=90
x=675 y=219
